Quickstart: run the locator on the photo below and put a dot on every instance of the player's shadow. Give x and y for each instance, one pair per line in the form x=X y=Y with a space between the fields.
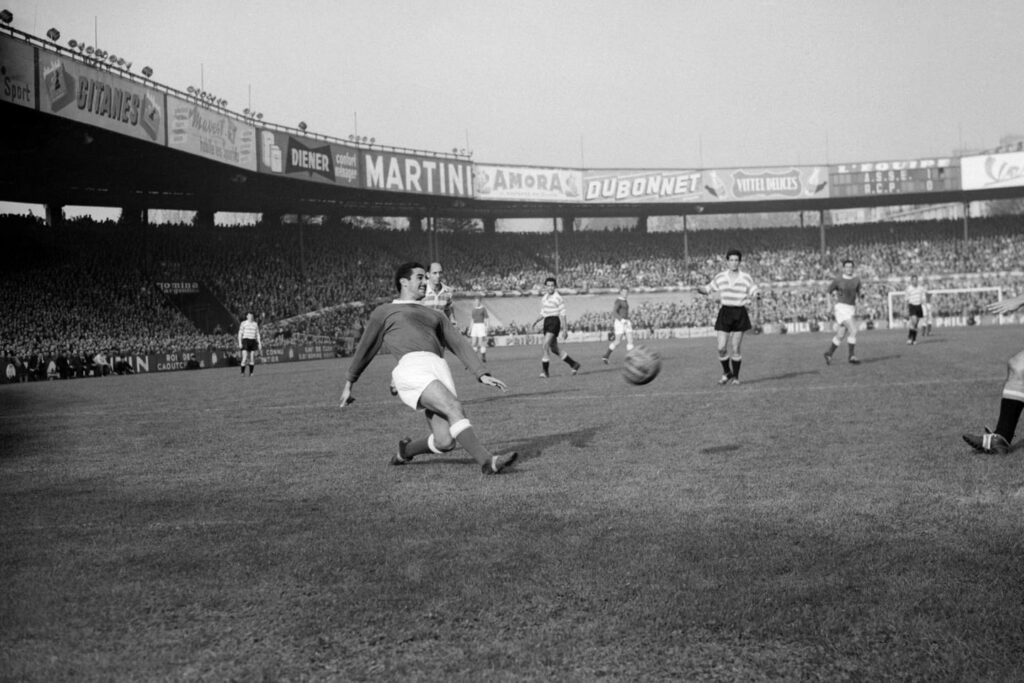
x=516 y=394
x=787 y=375
x=715 y=450
x=879 y=359
x=528 y=449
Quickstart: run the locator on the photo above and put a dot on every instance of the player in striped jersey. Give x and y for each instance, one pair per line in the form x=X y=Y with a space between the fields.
x=1012 y=404
x=737 y=291
x=622 y=326
x=847 y=289
x=418 y=335
x=916 y=295
x=249 y=341
x=439 y=295
x=552 y=314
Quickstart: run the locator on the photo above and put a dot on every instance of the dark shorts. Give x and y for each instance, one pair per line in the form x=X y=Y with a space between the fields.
x=552 y=325
x=250 y=345
x=915 y=311
x=732 y=319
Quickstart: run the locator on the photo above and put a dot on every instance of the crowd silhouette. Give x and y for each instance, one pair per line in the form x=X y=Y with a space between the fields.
x=87 y=288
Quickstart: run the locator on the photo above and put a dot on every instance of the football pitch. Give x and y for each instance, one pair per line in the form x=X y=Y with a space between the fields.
x=813 y=523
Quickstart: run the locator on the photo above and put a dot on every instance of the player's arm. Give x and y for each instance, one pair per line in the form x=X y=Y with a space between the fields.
x=369 y=345
x=1006 y=305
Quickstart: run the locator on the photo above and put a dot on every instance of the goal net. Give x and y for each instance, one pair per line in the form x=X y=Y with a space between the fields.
x=947 y=303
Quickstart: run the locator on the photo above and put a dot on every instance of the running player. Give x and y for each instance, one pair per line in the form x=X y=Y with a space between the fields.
x=552 y=314
x=478 y=328
x=622 y=327
x=916 y=295
x=847 y=289
x=418 y=335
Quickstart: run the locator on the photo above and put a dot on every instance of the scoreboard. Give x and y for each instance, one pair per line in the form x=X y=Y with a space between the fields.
x=877 y=178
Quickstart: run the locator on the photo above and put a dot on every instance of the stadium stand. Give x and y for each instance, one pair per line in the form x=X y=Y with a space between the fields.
x=90 y=287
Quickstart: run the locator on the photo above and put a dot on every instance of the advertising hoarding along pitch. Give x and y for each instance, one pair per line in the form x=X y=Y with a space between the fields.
x=18 y=70
x=306 y=158
x=910 y=176
x=527 y=183
x=416 y=174
x=639 y=186
x=197 y=130
x=991 y=171
x=750 y=184
x=79 y=92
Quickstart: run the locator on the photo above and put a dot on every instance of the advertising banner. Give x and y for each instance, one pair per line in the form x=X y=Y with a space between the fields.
x=527 y=183
x=18 y=70
x=749 y=184
x=281 y=153
x=99 y=98
x=193 y=128
x=910 y=176
x=638 y=186
x=415 y=174
x=990 y=171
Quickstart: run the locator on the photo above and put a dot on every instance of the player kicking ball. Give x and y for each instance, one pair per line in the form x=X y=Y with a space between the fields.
x=418 y=335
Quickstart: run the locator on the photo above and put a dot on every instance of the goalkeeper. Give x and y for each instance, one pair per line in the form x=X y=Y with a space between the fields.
x=998 y=442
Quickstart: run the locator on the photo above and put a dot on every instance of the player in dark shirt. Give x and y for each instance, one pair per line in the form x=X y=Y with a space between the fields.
x=417 y=336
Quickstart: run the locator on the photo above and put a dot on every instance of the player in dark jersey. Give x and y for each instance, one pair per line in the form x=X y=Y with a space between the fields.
x=1012 y=404
x=847 y=288
x=622 y=326
x=478 y=328
x=418 y=335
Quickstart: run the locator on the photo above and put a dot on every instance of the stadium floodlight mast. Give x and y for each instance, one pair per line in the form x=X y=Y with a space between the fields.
x=6 y=17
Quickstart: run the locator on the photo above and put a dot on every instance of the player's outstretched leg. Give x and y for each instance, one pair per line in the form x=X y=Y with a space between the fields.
x=1010 y=408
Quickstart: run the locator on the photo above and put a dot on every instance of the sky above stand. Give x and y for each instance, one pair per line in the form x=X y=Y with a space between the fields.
x=591 y=83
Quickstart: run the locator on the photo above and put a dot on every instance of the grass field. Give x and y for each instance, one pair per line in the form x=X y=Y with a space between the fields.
x=815 y=523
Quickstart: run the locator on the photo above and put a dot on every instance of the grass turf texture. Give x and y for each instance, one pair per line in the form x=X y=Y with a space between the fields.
x=813 y=523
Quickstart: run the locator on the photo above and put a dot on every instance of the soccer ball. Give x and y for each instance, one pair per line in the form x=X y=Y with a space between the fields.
x=642 y=365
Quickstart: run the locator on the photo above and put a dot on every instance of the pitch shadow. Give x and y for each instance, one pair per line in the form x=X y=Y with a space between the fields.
x=775 y=378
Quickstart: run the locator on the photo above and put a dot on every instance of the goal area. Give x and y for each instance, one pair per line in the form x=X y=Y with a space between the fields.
x=945 y=302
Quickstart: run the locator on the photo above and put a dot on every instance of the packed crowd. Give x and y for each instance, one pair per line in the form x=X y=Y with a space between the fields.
x=88 y=287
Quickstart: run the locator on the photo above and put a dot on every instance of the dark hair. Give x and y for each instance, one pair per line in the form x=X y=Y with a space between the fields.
x=552 y=281
x=733 y=252
x=404 y=272
x=849 y=260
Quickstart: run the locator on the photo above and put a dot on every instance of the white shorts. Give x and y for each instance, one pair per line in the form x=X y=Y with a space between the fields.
x=477 y=330
x=622 y=326
x=845 y=313
x=415 y=371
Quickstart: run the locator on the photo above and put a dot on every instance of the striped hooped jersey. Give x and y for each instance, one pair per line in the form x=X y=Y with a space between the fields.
x=736 y=289
x=552 y=305
x=915 y=294
x=249 y=329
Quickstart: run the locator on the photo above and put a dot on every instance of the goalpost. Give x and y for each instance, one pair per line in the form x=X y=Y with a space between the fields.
x=896 y=297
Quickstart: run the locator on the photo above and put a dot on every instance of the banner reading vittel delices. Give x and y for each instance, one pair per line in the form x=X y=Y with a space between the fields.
x=758 y=184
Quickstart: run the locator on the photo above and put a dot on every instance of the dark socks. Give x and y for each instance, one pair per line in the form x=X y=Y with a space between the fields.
x=1009 y=414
